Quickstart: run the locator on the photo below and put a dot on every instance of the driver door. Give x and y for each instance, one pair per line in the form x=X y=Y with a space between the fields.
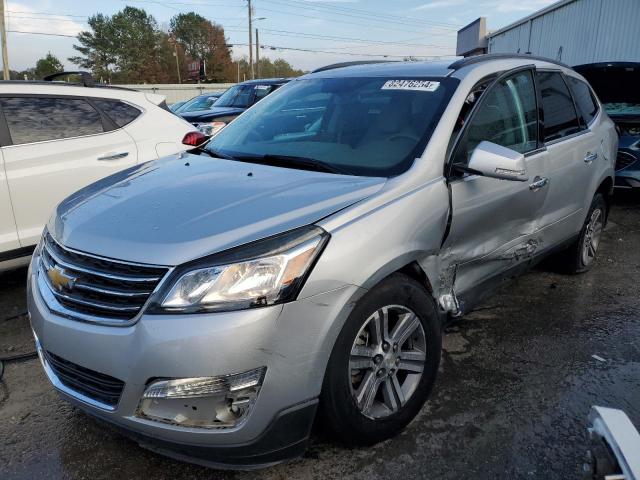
x=495 y=223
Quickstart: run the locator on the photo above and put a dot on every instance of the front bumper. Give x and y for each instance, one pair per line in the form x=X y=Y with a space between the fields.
x=293 y=341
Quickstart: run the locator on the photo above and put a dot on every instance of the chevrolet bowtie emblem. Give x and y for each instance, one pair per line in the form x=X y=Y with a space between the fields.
x=60 y=279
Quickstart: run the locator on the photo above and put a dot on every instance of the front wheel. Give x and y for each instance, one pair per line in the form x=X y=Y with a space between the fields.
x=582 y=254
x=384 y=363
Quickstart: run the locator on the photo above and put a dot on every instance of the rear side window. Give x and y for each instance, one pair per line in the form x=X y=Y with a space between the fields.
x=507 y=116
x=560 y=118
x=262 y=91
x=37 y=119
x=121 y=113
x=587 y=106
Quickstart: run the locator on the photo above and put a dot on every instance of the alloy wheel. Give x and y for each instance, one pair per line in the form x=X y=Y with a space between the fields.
x=387 y=360
x=592 y=236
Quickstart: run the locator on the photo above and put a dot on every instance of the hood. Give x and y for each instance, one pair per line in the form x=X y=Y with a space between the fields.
x=184 y=207
x=617 y=85
x=212 y=113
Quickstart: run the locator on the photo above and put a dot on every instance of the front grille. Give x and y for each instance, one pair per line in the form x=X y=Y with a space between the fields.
x=97 y=287
x=623 y=160
x=95 y=385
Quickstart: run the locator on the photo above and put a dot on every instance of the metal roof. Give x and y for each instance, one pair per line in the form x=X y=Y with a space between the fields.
x=575 y=32
x=539 y=13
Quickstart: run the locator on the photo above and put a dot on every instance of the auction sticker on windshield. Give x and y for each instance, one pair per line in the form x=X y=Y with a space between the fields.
x=420 y=85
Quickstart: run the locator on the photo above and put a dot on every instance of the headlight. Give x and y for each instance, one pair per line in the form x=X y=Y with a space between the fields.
x=209 y=402
x=262 y=273
x=211 y=128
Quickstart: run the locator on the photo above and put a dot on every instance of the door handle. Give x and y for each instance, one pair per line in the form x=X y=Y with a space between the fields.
x=590 y=157
x=538 y=183
x=113 y=156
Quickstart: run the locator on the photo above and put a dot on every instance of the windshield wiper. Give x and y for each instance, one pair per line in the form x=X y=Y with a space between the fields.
x=295 y=161
x=217 y=154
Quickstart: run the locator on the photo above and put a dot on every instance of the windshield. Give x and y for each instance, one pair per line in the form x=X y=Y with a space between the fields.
x=198 y=103
x=359 y=126
x=242 y=96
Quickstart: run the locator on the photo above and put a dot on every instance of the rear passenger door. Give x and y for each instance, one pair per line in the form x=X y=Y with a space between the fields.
x=8 y=232
x=494 y=223
x=572 y=149
x=53 y=146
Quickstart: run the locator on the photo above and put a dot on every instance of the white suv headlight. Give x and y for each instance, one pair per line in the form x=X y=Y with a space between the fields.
x=263 y=273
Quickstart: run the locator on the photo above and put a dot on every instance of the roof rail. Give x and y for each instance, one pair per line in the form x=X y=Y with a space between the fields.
x=349 y=64
x=463 y=62
x=87 y=79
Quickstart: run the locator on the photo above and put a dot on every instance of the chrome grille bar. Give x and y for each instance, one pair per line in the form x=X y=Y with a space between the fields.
x=85 y=286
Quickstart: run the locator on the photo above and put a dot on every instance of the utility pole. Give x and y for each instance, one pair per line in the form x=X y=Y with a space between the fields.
x=250 y=39
x=175 y=54
x=3 y=39
x=257 y=55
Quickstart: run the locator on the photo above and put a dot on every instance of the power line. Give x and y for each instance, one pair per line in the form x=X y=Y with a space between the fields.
x=349 y=39
x=361 y=14
x=48 y=13
x=270 y=47
x=310 y=36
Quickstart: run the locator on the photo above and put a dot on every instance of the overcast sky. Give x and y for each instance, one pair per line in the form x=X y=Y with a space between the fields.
x=336 y=30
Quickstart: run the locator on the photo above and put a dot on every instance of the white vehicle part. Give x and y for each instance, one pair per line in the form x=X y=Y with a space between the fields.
x=8 y=231
x=615 y=428
x=42 y=174
x=164 y=149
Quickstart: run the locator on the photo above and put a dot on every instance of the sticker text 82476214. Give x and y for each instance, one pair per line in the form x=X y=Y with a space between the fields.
x=419 y=85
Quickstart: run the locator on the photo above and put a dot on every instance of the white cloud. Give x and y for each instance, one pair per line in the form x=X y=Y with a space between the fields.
x=439 y=4
x=507 y=6
x=26 y=19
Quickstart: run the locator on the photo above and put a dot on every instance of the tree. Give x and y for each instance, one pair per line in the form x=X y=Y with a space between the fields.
x=124 y=47
x=204 y=40
x=136 y=35
x=97 y=48
x=47 y=65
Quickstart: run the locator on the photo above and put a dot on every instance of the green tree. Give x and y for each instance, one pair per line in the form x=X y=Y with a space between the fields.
x=122 y=48
x=202 y=39
x=97 y=48
x=47 y=65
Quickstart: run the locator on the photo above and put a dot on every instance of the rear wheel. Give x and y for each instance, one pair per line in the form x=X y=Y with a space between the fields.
x=384 y=363
x=582 y=254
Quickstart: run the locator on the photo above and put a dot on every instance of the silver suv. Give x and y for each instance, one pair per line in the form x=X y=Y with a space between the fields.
x=305 y=260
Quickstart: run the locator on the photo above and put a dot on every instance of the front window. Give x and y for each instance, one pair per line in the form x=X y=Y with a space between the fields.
x=358 y=126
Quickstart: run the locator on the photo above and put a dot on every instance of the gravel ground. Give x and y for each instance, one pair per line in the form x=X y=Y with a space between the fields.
x=518 y=379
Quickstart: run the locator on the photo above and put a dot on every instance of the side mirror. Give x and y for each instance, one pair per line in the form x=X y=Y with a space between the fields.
x=495 y=161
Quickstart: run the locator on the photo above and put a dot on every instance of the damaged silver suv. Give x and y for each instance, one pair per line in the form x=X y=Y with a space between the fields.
x=303 y=262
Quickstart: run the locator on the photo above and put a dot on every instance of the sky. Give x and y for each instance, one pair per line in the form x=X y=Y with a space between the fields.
x=306 y=33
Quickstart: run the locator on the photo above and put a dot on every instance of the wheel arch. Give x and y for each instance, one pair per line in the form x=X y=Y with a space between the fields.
x=606 y=189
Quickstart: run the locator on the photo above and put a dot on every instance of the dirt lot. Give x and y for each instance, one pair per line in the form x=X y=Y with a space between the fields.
x=518 y=378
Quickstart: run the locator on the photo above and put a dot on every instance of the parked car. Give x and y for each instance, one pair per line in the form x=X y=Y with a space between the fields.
x=199 y=103
x=306 y=261
x=56 y=138
x=618 y=87
x=231 y=104
x=175 y=106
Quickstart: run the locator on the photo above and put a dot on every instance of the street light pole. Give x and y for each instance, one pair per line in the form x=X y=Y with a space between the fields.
x=257 y=55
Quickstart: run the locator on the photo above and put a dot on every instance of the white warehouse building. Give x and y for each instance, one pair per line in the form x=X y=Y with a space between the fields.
x=575 y=32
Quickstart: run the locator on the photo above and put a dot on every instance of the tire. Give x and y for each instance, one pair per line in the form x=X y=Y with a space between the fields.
x=396 y=298
x=580 y=257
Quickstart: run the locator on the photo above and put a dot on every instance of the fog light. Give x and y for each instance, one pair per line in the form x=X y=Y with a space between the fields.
x=208 y=402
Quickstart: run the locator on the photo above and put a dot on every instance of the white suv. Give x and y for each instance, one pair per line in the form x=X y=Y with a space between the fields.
x=56 y=138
